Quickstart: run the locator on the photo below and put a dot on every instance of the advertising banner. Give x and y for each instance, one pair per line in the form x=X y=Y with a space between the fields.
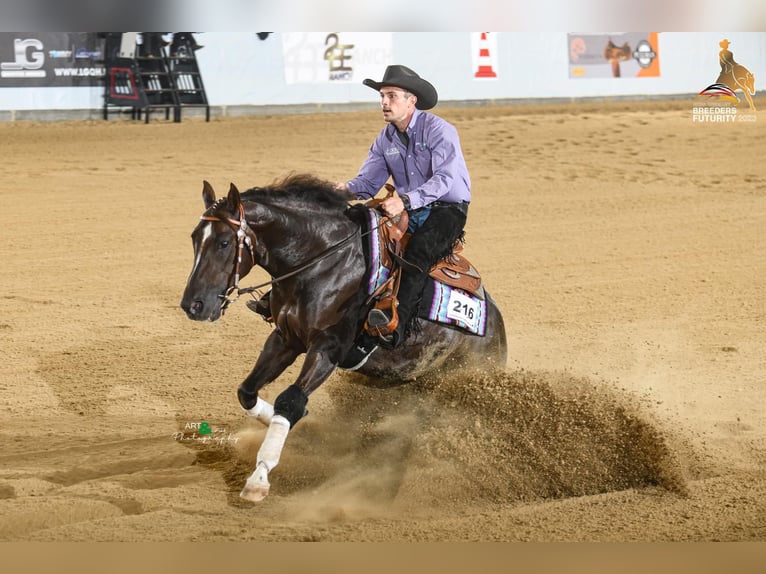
x=620 y=55
x=50 y=59
x=325 y=57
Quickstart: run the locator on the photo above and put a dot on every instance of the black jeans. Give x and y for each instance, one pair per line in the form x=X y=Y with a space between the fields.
x=432 y=242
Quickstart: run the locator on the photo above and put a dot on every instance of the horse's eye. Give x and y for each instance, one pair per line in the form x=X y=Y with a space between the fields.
x=223 y=244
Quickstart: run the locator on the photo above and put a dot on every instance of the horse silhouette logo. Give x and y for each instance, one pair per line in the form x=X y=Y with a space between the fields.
x=733 y=77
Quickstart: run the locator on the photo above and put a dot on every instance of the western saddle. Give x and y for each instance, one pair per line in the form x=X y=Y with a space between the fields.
x=454 y=270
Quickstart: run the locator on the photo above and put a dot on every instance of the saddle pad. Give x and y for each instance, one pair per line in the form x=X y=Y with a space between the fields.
x=453 y=306
x=379 y=273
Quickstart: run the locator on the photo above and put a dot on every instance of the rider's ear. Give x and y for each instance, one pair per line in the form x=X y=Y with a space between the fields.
x=208 y=195
x=234 y=200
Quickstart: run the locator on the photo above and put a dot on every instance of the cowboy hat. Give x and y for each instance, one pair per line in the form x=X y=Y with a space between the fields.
x=403 y=77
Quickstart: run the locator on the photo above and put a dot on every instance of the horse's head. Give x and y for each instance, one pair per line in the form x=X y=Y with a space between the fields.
x=750 y=83
x=224 y=251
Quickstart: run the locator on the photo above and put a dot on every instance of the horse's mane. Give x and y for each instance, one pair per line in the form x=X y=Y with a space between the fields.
x=301 y=188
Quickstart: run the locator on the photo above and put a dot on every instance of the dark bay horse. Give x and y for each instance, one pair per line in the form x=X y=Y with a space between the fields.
x=298 y=230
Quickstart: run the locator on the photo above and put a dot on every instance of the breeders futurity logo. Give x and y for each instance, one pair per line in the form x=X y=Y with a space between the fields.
x=733 y=77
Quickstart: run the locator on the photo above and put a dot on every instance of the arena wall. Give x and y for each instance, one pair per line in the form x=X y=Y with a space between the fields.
x=244 y=74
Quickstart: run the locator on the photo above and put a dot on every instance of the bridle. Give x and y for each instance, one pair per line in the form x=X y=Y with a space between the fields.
x=247 y=238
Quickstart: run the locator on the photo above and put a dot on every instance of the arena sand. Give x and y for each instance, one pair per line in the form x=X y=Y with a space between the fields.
x=623 y=242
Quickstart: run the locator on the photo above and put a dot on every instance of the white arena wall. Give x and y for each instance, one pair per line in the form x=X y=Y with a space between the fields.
x=246 y=75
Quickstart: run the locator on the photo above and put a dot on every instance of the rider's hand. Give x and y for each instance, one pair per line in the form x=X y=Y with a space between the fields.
x=392 y=206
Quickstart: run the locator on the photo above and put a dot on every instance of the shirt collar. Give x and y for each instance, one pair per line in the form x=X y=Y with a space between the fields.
x=416 y=114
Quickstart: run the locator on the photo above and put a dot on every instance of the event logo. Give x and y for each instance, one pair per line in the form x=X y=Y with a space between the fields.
x=51 y=59
x=29 y=60
x=85 y=54
x=719 y=92
x=722 y=93
x=644 y=54
x=337 y=55
x=334 y=57
x=60 y=54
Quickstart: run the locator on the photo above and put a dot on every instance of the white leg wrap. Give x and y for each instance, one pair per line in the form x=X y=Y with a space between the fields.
x=263 y=411
x=271 y=449
x=259 y=480
x=257 y=485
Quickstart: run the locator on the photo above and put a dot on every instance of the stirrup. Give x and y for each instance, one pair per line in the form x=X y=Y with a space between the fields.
x=358 y=355
x=379 y=326
x=377 y=318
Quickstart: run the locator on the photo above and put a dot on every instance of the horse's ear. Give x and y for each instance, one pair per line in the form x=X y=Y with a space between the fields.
x=234 y=199
x=208 y=195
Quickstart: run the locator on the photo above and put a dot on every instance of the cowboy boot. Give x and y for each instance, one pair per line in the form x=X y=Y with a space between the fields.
x=410 y=292
x=408 y=301
x=261 y=306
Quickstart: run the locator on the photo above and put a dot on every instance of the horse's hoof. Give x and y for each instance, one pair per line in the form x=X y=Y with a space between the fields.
x=254 y=493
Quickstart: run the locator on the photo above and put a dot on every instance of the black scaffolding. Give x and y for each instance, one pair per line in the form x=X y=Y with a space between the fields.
x=151 y=77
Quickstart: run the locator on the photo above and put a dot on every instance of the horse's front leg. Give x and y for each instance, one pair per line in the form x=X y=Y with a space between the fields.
x=289 y=408
x=749 y=100
x=273 y=360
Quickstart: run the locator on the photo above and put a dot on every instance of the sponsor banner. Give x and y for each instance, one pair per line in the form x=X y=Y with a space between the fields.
x=335 y=57
x=50 y=59
x=625 y=55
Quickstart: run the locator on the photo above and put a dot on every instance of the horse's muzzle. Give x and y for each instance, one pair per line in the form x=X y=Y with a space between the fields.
x=197 y=311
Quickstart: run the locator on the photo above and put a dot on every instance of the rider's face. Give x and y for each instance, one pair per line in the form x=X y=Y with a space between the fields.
x=397 y=105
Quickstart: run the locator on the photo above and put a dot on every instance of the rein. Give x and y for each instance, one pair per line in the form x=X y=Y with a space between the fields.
x=305 y=266
x=246 y=237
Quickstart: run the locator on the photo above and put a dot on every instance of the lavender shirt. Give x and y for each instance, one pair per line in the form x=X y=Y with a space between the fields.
x=430 y=169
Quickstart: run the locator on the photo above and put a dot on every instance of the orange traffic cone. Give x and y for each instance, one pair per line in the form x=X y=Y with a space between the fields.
x=485 y=62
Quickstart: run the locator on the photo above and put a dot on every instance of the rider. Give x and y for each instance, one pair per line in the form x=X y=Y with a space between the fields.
x=422 y=153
